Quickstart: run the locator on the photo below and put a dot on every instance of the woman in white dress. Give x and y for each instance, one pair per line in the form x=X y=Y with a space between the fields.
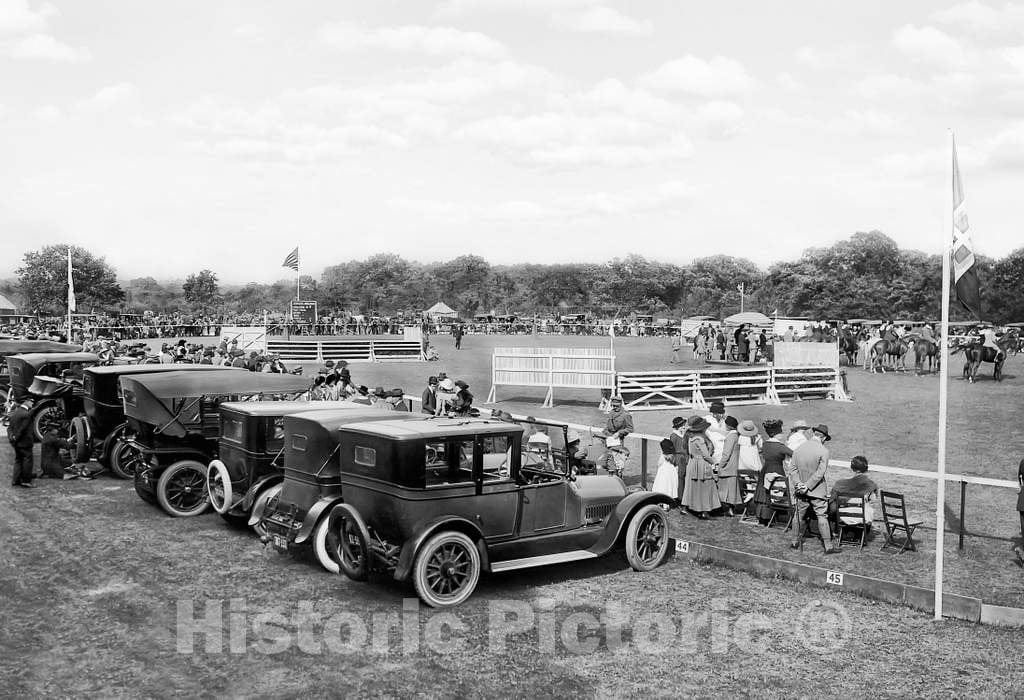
x=666 y=481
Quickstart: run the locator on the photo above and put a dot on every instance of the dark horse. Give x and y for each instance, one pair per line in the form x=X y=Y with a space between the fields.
x=848 y=346
x=891 y=346
x=924 y=348
x=976 y=353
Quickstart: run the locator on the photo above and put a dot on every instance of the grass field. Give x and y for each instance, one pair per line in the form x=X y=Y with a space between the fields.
x=95 y=582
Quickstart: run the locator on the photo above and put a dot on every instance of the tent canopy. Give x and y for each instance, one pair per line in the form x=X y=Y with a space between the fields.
x=441 y=309
x=751 y=318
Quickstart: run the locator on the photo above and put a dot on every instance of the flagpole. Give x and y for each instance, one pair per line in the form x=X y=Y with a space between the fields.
x=298 y=266
x=69 y=295
x=940 y=491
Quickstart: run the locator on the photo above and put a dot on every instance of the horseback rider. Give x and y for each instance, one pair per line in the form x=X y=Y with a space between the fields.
x=927 y=333
x=988 y=337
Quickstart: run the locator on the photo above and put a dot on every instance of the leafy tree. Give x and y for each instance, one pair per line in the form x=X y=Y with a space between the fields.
x=1006 y=300
x=201 y=291
x=43 y=280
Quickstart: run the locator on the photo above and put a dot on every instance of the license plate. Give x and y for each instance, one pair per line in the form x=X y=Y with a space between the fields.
x=280 y=542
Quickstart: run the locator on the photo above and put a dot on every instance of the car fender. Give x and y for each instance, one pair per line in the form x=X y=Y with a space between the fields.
x=254 y=490
x=313 y=517
x=425 y=530
x=619 y=519
x=346 y=509
x=257 y=512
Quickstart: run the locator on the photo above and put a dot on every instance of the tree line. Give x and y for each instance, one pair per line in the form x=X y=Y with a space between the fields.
x=865 y=276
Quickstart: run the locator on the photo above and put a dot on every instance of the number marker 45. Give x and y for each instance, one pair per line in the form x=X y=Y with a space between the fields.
x=834 y=577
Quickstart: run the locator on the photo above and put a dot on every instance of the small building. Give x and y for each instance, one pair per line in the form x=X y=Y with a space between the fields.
x=441 y=312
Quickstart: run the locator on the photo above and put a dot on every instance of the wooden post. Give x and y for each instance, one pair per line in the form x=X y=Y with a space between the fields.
x=963 y=499
x=643 y=464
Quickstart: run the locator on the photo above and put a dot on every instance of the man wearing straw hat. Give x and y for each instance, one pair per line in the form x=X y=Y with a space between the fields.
x=806 y=472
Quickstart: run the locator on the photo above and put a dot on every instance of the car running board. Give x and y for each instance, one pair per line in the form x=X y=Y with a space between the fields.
x=542 y=560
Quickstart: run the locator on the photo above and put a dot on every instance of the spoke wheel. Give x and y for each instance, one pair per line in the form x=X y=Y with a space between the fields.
x=124 y=460
x=647 y=538
x=350 y=552
x=325 y=545
x=47 y=415
x=181 y=490
x=259 y=506
x=447 y=570
x=219 y=488
x=78 y=437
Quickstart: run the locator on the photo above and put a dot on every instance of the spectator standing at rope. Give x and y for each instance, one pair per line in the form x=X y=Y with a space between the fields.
x=428 y=402
x=806 y=473
x=19 y=433
x=620 y=421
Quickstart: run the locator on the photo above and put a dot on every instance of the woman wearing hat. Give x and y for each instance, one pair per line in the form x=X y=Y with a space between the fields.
x=728 y=467
x=701 y=494
x=775 y=454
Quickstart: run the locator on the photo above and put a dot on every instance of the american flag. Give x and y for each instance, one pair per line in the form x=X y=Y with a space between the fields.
x=965 y=277
x=292 y=260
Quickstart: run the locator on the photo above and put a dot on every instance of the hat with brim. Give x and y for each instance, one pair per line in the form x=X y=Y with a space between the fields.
x=748 y=428
x=697 y=424
x=717 y=407
x=822 y=430
x=799 y=424
x=379 y=391
x=678 y=422
x=397 y=393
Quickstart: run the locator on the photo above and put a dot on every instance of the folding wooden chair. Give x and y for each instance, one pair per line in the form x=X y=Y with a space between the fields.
x=748 y=488
x=894 y=516
x=780 y=501
x=851 y=512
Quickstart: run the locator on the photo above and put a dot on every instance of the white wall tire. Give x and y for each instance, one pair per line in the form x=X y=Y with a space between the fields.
x=447 y=569
x=320 y=547
x=181 y=490
x=218 y=487
x=647 y=538
x=79 y=439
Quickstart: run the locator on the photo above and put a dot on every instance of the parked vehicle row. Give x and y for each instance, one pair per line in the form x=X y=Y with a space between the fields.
x=434 y=501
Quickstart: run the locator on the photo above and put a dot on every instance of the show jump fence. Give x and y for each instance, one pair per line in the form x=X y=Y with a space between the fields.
x=552 y=368
x=354 y=350
x=800 y=371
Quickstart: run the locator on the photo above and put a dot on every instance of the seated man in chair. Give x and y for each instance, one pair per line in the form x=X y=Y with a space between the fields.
x=859 y=485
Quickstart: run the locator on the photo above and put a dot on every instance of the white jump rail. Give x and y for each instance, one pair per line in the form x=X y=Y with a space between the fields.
x=355 y=350
x=551 y=368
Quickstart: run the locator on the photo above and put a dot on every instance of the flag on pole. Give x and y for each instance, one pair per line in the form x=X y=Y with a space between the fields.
x=965 y=276
x=72 y=306
x=292 y=260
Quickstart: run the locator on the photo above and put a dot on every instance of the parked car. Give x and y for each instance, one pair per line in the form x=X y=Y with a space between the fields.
x=442 y=500
x=297 y=512
x=98 y=430
x=173 y=428
x=250 y=463
x=22 y=347
x=54 y=380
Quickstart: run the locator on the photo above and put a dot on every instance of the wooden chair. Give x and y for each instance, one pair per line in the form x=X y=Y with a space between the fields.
x=780 y=501
x=748 y=479
x=851 y=512
x=894 y=516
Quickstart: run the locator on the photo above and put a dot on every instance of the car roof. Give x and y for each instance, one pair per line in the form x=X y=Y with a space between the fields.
x=20 y=347
x=120 y=370
x=38 y=359
x=433 y=428
x=279 y=408
x=333 y=419
x=167 y=385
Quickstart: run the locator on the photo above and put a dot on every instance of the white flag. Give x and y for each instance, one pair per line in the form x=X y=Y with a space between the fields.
x=72 y=306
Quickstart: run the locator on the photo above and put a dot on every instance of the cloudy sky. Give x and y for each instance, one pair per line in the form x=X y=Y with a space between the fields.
x=175 y=136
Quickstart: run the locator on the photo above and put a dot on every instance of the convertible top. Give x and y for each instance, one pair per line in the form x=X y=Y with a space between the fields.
x=38 y=359
x=433 y=428
x=172 y=400
x=20 y=347
x=121 y=370
x=280 y=408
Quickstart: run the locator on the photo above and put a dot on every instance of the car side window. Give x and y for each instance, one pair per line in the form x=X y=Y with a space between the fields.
x=497 y=457
x=449 y=462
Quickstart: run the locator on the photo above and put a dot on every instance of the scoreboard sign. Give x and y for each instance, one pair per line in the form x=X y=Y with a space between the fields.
x=304 y=311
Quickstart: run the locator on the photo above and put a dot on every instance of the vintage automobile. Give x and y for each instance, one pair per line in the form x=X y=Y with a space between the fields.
x=98 y=431
x=22 y=347
x=174 y=428
x=54 y=380
x=442 y=500
x=311 y=485
x=250 y=460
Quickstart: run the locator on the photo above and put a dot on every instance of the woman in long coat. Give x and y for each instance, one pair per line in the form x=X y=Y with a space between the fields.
x=701 y=493
x=728 y=468
x=775 y=454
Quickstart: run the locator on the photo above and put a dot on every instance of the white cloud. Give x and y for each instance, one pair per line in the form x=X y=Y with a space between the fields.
x=718 y=76
x=48 y=114
x=664 y=197
x=930 y=46
x=431 y=41
x=43 y=47
x=108 y=97
x=981 y=19
x=19 y=17
x=787 y=82
x=887 y=87
x=600 y=19
x=450 y=9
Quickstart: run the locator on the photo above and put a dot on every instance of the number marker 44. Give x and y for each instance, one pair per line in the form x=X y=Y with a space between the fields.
x=682 y=546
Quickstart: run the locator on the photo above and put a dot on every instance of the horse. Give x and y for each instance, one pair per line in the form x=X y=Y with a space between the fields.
x=894 y=348
x=924 y=348
x=976 y=353
x=848 y=346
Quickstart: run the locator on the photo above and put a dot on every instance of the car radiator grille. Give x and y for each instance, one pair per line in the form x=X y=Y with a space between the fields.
x=597 y=513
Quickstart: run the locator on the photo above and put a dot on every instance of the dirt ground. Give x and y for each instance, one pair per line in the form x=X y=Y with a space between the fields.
x=102 y=595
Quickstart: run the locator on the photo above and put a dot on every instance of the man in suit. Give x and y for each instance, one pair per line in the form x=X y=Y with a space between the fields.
x=19 y=432
x=806 y=472
x=428 y=404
